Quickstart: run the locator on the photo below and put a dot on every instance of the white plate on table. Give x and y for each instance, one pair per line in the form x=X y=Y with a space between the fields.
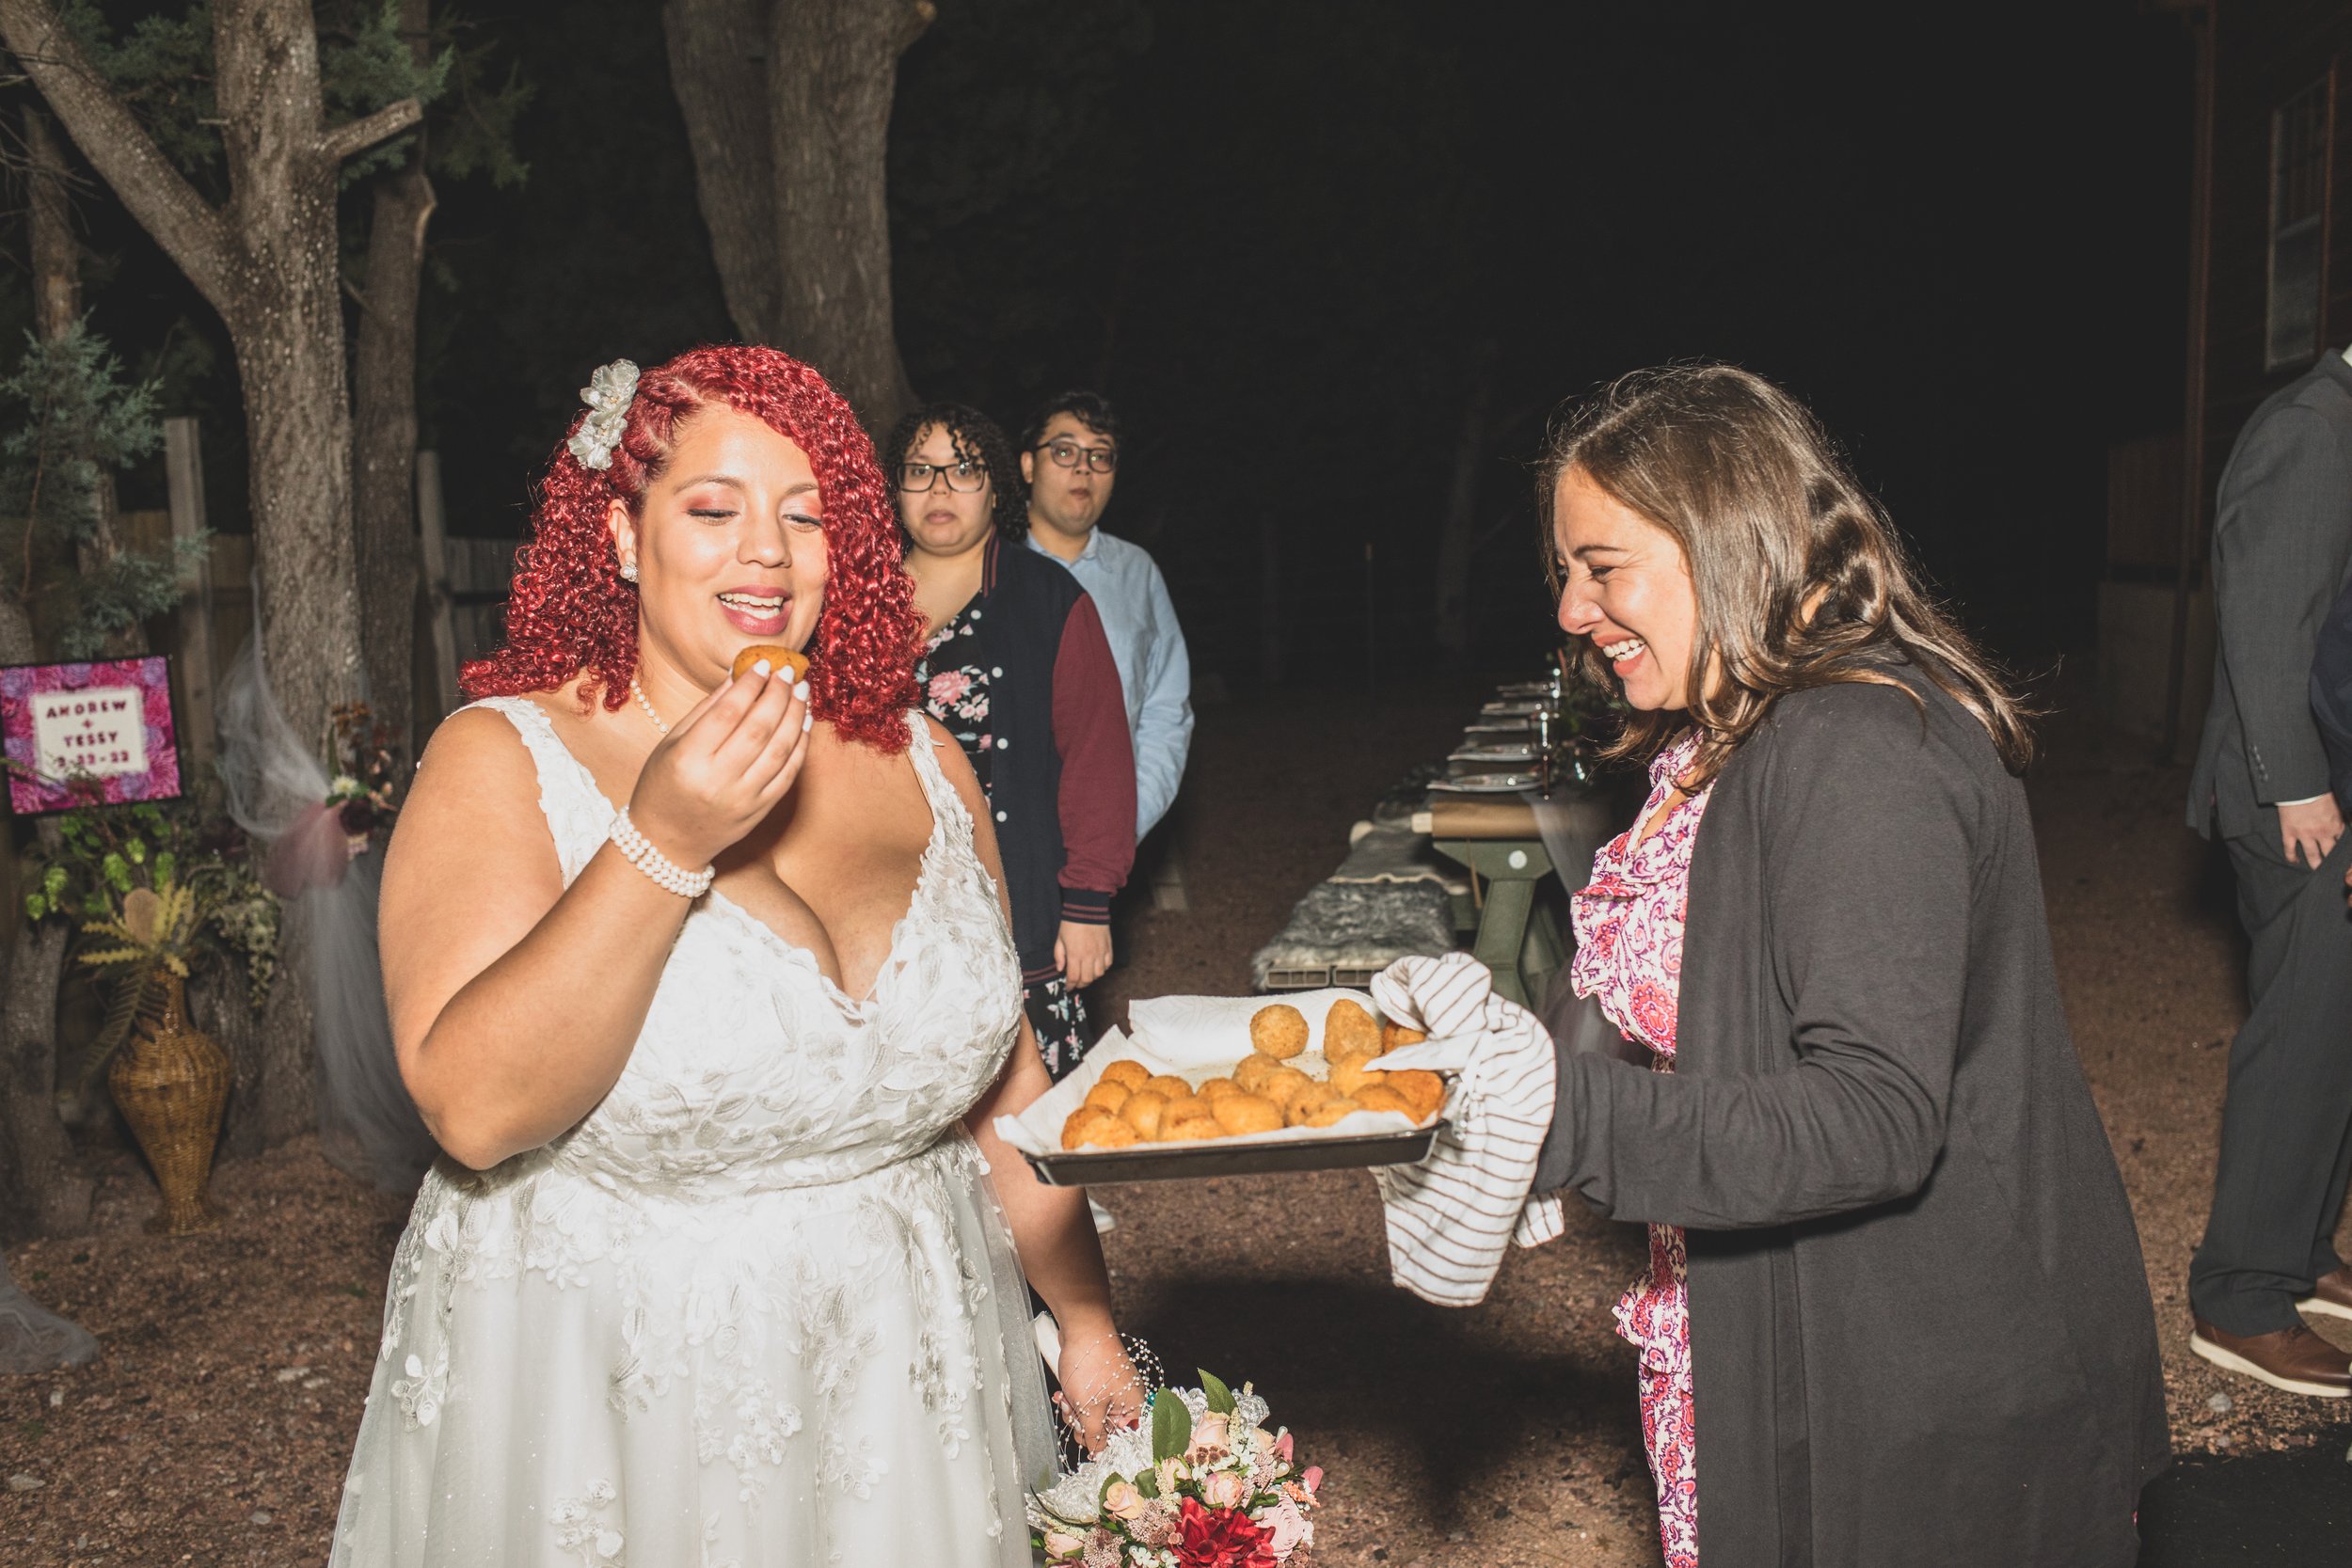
x=1497 y=750
x=1515 y=707
x=1497 y=726
x=1486 y=783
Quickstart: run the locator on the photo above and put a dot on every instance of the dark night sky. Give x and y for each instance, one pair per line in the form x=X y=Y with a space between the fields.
x=1277 y=231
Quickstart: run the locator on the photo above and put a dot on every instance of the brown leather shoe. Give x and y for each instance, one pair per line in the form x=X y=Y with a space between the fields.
x=2331 y=1295
x=2294 y=1359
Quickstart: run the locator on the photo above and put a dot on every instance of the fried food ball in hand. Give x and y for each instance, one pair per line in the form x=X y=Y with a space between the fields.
x=1332 y=1109
x=1127 y=1073
x=1185 y=1129
x=1350 y=1076
x=1251 y=1072
x=1108 y=1096
x=1167 y=1085
x=1247 y=1112
x=1395 y=1037
x=1284 y=1085
x=1423 y=1090
x=1080 y=1123
x=1348 y=1030
x=1379 y=1096
x=1143 y=1112
x=1217 y=1088
x=1279 y=1030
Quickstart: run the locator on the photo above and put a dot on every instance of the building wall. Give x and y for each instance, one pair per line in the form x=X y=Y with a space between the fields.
x=2265 y=53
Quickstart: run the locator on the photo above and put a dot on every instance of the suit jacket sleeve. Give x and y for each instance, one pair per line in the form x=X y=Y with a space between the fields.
x=2331 y=693
x=1097 y=800
x=2281 y=533
x=1867 y=863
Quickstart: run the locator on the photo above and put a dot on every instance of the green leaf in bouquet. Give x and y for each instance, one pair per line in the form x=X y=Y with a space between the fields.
x=1149 y=1483
x=1219 y=1397
x=1172 y=1426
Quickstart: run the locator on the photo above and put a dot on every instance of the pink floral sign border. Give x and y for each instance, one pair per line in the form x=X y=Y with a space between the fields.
x=20 y=683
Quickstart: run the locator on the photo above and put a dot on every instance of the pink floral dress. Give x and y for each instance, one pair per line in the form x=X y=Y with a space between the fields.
x=1628 y=954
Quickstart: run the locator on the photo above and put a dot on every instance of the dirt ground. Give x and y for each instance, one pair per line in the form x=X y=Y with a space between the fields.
x=214 y=1427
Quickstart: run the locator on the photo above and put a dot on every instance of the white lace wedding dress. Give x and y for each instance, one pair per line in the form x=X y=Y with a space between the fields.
x=759 y=1309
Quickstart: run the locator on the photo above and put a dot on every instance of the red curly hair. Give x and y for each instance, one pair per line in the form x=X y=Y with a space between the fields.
x=572 y=615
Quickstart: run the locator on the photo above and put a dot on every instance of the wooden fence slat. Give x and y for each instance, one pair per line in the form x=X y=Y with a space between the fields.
x=433 y=532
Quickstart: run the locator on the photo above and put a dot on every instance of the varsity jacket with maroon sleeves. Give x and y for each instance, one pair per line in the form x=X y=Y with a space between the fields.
x=1062 y=770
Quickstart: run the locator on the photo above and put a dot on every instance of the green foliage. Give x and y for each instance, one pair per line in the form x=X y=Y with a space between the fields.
x=1213 y=1388
x=162 y=67
x=69 y=417
x=1172 y=1426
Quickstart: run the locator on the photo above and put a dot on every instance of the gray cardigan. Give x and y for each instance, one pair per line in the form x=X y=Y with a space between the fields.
x=1921 y=1330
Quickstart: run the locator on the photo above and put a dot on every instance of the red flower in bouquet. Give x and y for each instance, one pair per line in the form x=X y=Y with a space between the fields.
x=1222 y=1538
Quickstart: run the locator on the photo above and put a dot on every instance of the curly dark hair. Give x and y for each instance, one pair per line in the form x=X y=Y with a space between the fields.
x=975 y=437
x=572 y=615
x=1090 y=409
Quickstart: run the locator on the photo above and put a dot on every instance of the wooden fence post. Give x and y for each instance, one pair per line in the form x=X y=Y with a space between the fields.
x=184 y=477
x=433 y=532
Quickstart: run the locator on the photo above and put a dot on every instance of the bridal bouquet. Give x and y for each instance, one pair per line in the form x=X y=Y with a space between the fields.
x=1201 y=1483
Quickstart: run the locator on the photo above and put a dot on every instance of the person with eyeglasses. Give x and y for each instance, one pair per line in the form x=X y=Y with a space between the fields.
x=1015 y=666
x=1070 y=460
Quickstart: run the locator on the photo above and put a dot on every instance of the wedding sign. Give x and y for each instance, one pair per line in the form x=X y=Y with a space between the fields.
x=96 y=734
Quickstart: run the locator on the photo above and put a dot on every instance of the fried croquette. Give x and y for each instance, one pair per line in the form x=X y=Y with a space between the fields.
x=1423 y=1090
x=1251 y=1072
x=1128 y=1072
x=1217 y=1088
x=1247 y=1112
x=1348 y=1030
x=1379 y=1096
x=1395 y=1037
x=1350 y=1076
x=1109 y=1096
x=1080 y=1123
x=1279 y=1030
x=1111 y=1133
x=1143 y=1112
x=1201 y=1125
x=1167 y=1085
x=1284 y=1085
x=1332 y=1109
x=1307 y=1101
x=1179 y=1106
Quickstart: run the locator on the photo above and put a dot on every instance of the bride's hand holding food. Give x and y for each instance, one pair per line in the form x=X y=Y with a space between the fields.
x=722 y=767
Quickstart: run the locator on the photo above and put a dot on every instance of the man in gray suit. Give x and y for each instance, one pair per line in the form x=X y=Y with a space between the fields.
x=2281 y=546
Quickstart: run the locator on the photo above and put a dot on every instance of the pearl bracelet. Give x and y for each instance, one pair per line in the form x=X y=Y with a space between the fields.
x=666 y=872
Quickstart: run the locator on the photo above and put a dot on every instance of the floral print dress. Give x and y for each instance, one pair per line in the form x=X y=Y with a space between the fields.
x=1628 y=934
x=955 y=682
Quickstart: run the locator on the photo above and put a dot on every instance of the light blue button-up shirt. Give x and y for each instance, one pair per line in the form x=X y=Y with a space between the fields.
x=1155 y=670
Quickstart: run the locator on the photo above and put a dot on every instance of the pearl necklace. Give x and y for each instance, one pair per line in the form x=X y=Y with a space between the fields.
x=639 y=692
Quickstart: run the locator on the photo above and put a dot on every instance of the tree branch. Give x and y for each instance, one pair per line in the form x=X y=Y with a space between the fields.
x=920 y=15
x=356 y=136
x=195 y=233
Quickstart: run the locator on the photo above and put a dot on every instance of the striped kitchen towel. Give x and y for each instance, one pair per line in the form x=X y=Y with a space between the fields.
x=1451 y=1216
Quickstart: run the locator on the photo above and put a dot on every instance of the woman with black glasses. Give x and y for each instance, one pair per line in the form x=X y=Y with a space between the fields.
x=1017 y=669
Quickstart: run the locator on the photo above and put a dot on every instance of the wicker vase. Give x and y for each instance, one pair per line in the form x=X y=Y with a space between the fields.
x=172 y=1083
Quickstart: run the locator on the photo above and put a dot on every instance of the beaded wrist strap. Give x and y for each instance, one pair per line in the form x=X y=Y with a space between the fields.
x=666 y=872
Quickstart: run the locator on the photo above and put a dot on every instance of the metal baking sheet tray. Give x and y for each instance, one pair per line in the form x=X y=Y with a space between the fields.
x=1099 y=1167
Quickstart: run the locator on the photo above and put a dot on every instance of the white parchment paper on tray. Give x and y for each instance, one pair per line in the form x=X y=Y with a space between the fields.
x=1195 y=1038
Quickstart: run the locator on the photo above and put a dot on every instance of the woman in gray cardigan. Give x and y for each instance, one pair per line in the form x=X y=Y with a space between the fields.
x=1886 y=1222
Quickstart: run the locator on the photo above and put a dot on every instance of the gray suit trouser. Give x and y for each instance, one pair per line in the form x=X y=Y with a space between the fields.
x=2286 y=1130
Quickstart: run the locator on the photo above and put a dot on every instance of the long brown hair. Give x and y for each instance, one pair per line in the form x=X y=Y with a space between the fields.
x=1801 y=580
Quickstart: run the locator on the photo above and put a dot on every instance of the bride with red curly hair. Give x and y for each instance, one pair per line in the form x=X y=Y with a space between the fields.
x=704 y=985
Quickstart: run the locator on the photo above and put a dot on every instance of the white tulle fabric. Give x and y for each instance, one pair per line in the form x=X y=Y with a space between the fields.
x=759 y=1309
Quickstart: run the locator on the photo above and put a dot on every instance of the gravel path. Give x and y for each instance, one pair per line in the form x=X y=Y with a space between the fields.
x=216 y=1427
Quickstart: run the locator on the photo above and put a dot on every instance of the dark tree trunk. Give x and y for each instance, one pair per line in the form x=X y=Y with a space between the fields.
x=384 y=421
x=787 y=112
x=268 y=263
x=49 y=213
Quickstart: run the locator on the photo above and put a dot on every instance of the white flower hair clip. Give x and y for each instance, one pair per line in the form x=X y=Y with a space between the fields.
x=608 y=395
